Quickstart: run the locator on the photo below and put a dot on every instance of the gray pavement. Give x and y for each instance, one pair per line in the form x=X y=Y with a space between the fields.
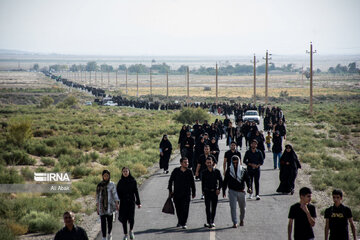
x=264 y=219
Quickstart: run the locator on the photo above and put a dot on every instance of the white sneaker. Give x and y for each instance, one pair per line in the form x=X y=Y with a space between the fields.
x=257 y=197
x=250 y=196
x=104 y=238
x=109 y=236
x=202 y=196
x=132 y=236
x=126 y=237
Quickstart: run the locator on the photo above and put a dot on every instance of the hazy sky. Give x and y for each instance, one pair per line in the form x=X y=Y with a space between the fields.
x=180 y=27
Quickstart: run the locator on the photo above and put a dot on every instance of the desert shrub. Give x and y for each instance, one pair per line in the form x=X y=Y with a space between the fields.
x=80 y=171
x=46 y=101
x=10 y=176
x=19 y=130
x=284 y=94
x=6 y=233
x=84 y=188
x=41 y=222
x=39 y=149
x=104 y=161
x=138 y=169
x=63 y=150
x=94 y=156
x=17 y=228
x=27 y=173
x=18 y=157
x=67 y=160
x=43 y=133
x=83 y=142
x=110 y=144
x=189 y=115
x=48 y=161
x=68 y=102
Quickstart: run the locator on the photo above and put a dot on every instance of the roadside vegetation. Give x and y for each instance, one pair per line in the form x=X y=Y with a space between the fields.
x=79 y=140
x=329 y=141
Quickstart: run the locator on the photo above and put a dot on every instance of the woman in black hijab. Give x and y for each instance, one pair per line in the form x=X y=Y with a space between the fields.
x=165 y=153
x=289 y=164
x=129 y=197
x=214 y=148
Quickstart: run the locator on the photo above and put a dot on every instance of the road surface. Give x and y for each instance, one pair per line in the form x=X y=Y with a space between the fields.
x=264 y=219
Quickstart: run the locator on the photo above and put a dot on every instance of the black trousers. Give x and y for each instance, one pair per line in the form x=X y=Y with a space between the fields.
x=182 y=204
x=211 y=200
x=239 y=141
x=254 y=175
x=109 y=219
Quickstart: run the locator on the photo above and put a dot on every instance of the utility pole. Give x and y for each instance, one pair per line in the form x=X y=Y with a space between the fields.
x=311 y=76
x=254 y=61
x=216 y=78
x=266 y=75
x=95 y=78
x=81 y=79
x=167 y=85
x=109 y=80
x=101 y=79
x=126 y=83
x=137 y=84
x=85 y=76
x=188 y=87
x=90 y=79
x=150 y=83
x=116 y=82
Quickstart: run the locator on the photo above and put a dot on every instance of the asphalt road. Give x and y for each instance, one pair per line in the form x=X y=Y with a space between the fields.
x=264 y=219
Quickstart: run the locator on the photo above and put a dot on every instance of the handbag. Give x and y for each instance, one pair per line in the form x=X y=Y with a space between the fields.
x=169 y=206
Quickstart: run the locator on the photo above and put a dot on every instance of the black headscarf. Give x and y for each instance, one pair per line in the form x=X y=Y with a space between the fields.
x=290 y=157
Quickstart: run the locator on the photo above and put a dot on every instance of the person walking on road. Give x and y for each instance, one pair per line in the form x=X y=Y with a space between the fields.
x=277 y=149
x=303 y=214
x=337 y=218
x=187 y=148
x=107 y=202
x=165 y=153
x=183 y=180
x=129 y=197
x=211 y=183
x=235 y=178
x=254 y=159
x=228 y=155
x=289 y=165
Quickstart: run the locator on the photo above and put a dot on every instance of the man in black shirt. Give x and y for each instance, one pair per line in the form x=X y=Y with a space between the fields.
x=70 y=231
x=304 y=214
x=228 y=155
x=202 y=161
x=184 y=185
x=254 y=159
x=337 y=218
x=211 y=183
x=235 y=178
x=187 y=146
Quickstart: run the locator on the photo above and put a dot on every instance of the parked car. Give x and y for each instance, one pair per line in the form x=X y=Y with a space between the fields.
x=251 y=116
x=110 y=103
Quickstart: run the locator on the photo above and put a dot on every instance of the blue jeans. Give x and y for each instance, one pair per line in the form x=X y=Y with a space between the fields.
x=276 y=157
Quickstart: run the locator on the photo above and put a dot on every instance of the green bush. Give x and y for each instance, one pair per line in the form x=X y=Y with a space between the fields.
x=48 y=161
x=41 y=222
x=189 y=115
x=104 y=161
x=6 y=233
x=110 y=144
x=27 y=173
x=68 y=102
x=19 y=130
x=18 y=157
x=10 y=176
x=46 y=101
x=94 y=156
x=80 y=171
x=85 y=188
x=39 y=149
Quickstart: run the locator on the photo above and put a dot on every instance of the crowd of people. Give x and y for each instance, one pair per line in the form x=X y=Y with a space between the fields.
x=200 y=154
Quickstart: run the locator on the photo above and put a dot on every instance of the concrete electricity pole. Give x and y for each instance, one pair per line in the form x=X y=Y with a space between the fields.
x=150 y=83
x=216 y=79
x=116 y=82
x=266 y=75
x=126 y=81
x=311 y=76
x=254 y=61
x=109 y=80
x=187 y=85
x=137 y=84
x=167 y=85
